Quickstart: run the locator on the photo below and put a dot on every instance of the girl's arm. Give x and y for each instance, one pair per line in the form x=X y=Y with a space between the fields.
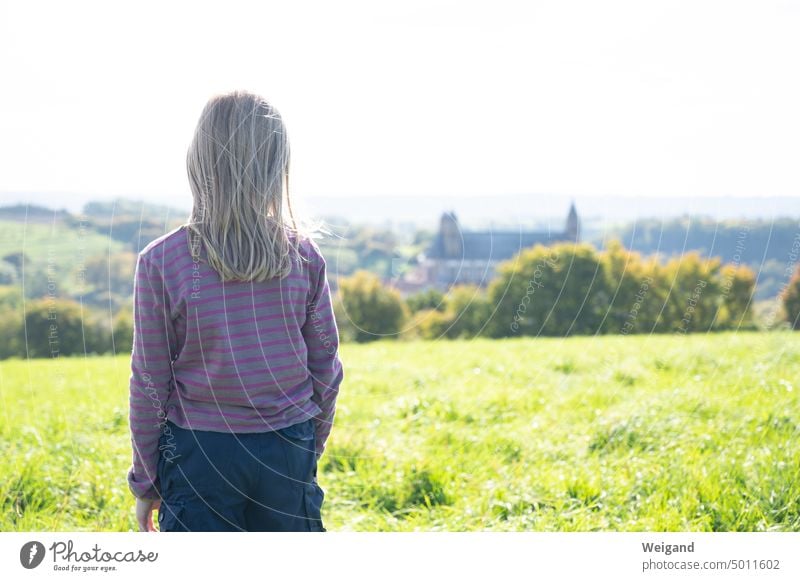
x=322 y=339
x=154 y=345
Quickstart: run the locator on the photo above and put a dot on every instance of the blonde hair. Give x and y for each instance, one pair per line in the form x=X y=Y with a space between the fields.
x=238 y=166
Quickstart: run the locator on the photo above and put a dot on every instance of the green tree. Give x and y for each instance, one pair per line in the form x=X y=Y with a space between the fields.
x=466 y=312
x=791 y=300
x=113 y=274
x=123 y=332
x=366 y=310
x=8 y=273
x=10 y=340
x=557 y=290
x=17 y=259
x=54 y=328
x=737 y=284
x=427 y=299
x=11 y=297
x=630 y=282
x=693 y=296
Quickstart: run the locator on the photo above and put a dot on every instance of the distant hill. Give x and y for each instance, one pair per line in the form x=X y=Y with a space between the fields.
x=32 y=213
x=540 y=209
x=105 y=210
x=123 y=225
x=476 y=211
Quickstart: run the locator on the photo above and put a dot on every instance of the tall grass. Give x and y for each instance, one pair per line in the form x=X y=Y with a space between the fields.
x=651 y=433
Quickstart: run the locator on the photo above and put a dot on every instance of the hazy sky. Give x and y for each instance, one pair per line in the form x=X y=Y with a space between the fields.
x=431 y=97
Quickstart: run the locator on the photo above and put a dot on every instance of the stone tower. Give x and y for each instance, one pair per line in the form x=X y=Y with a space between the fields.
x=573 y=230
x=451 y=235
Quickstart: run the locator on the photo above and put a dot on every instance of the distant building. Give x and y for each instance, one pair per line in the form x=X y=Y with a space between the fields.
x=459 y=256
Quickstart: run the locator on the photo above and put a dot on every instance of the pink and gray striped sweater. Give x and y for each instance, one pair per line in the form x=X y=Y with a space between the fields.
x=227 y=356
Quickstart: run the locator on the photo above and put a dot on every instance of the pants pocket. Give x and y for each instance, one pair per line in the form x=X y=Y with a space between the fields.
x=304 y=430
x=314 y=496
x=171 y=516
x=298 y=442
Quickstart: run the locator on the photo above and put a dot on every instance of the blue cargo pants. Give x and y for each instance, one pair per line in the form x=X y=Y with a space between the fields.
x=215 y=481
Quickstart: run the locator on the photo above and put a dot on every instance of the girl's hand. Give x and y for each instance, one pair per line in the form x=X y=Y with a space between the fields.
x=144 y=514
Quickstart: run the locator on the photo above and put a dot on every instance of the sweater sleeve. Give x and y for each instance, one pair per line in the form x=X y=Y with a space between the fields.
x=154 y=347
x=322 y=340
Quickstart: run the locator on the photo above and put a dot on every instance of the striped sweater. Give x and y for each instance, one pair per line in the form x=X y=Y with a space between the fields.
x=227 y=356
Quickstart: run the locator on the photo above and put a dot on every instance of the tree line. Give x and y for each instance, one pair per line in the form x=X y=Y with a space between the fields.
x=568 y=289
x=561 y=290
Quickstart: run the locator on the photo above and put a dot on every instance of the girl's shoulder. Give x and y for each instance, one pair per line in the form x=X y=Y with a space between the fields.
x=166 y=245
x=307 y=246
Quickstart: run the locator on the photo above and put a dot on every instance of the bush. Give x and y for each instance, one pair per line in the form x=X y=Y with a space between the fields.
x=112 y=274
x=8 y=273
x=13 y=331
x=463 y=312
x=424 y=300
x=427 y=324
x=571 y=289
x=55 y=327
x=634 y=303
x=693 y=290
x=123 y=332
x=11 y=297
x=738 y=287
x=366 y=310
x=558 y=290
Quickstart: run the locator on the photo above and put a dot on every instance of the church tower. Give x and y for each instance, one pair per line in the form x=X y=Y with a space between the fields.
x=573 y=231
x=451 y=235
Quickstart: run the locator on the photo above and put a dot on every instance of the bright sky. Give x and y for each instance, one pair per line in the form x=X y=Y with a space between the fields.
x=425 y=97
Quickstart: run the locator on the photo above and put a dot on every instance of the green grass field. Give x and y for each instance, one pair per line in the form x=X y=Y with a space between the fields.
x=652 y=433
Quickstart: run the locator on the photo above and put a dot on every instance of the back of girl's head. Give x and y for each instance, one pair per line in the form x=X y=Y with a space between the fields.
x=238 y=166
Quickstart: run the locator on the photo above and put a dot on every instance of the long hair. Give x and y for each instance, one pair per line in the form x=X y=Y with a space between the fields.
x=238 y=166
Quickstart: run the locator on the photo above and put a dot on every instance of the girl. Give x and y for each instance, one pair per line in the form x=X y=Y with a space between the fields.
x=235 y=366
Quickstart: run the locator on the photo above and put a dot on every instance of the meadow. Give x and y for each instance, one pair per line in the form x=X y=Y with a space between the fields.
x=612 y=433
x=53 y=250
